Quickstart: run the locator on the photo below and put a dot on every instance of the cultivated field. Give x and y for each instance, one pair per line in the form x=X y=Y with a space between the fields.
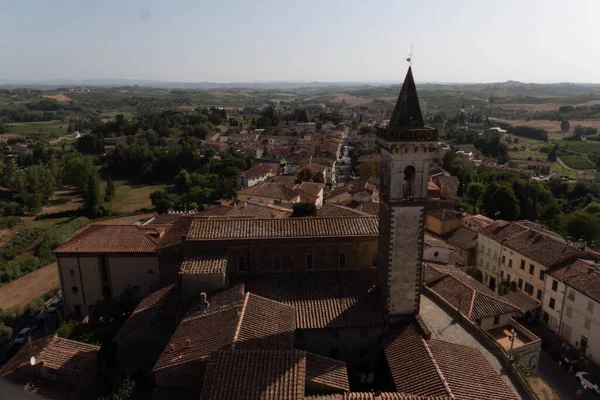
x=551 y=126
x=132 y=197
x=20 y=292
x=37 y=127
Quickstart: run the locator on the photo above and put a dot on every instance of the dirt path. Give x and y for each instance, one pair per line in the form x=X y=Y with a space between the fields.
x=20 y=292
x=564 y=165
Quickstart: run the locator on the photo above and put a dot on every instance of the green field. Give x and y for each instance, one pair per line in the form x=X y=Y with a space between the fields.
x=131 y=197
x=577 y=162
x=35 y=127
x=581 y=147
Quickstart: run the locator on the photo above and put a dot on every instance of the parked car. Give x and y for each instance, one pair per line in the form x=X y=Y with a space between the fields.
x=568 y=362
x=55 y=304
x=22 y=336
x=37 y=321
x=588 y=382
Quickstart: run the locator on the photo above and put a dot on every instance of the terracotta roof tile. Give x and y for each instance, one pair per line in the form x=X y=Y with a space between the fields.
x=335 y=210
x=155 y=316
x=582 y=275
x=54 y=353
x=325 y=299
x=271 y=190
x=472 y=380
x=413 y=368
x=374 y=396
x=201 y=229
x=444 y=214
x=204 y=263
x=463 y=238
x=474 y=299
x=231 y=319
x=327 y=371
x=110 y=239
x=255 y=375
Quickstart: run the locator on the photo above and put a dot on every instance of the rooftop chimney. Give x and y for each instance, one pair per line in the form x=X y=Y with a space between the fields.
x=188 y=342
x=203 y=298
x=172 y=347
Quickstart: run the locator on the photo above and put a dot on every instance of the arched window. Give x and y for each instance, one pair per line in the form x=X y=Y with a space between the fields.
x=75 y=290
x=409 y=179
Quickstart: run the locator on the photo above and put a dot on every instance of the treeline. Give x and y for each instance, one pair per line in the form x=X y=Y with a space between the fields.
x=569 y=209
x=37 y=111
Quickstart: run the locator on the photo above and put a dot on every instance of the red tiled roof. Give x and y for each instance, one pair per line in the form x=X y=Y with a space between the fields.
x=325 y=299
x=468 y=373
x=245 y=321
x=255 y=375
x=255 y=171
x=582 y=275
x=204 y=263
x=312 y=188
x=282 y=228
x=55 y=353
x=327 y=371
x=110 y=239
x=374 y=396
x=271 y=190
x=443 y=214
x=475 y=300
x=413 y=368
x=463 y=238
x=335 y=210
x=155 y=316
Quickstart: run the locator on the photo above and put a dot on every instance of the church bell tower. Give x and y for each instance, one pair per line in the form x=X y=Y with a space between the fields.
x=407 y=147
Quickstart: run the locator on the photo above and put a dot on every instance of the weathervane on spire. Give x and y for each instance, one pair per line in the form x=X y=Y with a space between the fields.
x=410 y=55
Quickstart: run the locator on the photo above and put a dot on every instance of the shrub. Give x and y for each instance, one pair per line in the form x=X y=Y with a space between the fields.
x=66 y=329
x=9 y=222
x=5 y=332
x=20 y=241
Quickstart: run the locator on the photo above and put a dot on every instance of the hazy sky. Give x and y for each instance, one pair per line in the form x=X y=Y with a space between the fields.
x=265 y=40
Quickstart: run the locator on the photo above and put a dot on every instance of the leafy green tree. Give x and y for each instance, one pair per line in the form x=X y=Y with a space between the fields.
x=92 y=197
x=474 y=192
x=304 y=210
x=109 y=191
x=33 y=186
x=162 y=201
x=583 y=226
x=500 y=202
x=564 y=125
x=123 y=391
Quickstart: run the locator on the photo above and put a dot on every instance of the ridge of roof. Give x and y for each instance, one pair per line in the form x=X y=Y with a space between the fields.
x=240 y=319
x=437 y=368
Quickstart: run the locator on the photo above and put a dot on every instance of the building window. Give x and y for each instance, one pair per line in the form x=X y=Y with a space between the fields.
x=552 y=303
x=529 y=289
x=569 y=311
x=539 y=294
x=276 y=262
x=523 y=264
x=496 y=319
x=571 y=295
x=309 y=264
x=364 y=331
x=531 y=269
x=334 y=333
x=334 y=353
x=342 y=260
x=72 y=273
x=520 y=285
x=586 y=324
x=503 y=259
x=242 y=264
x=501 y=274
x=590 y=306
x=510 y=262
x=554 y=285
x=75 y=290
x=508 y=277
x=542 y=274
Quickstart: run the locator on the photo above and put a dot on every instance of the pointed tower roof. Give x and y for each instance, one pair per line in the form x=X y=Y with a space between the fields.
x=407 y=113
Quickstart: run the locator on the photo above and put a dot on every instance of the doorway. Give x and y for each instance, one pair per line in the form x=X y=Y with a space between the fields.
x=492 y=283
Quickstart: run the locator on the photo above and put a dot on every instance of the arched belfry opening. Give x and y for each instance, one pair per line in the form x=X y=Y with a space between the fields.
x=409 y=181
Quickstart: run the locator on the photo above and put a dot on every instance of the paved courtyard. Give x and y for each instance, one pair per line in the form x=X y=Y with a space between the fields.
x=443 y=327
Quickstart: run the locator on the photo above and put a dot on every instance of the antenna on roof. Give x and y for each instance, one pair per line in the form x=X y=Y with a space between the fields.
x=410 y=56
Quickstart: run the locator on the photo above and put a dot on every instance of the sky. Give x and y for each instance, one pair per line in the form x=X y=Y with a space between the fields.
x=284 y=40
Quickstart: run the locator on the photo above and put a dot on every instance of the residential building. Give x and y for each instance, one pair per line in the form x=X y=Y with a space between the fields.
x=54 y=368
x=433 y=191
x=584 y=177
x=448 y=185
x=464 y=242
x=254 y=175
x=539 y=166
x=436 y=250
x=328 y=163
x=526 y=252
x=268 y=193
x=106 y=260
x=310 y=192
x=442 y=221
x=485 y=308
x=306 y=127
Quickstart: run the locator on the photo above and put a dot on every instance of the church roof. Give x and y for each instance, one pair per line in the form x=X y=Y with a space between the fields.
x=407 y=113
